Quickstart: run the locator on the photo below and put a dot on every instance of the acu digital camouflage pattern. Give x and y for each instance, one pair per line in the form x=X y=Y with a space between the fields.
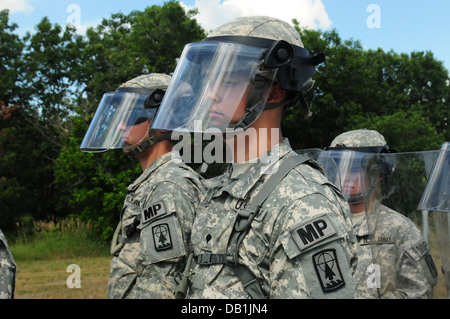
x=269 y=249
x=154 y=81
x=165 y=197
x=401 y=266
x=8 y=270
x=260 y=27
x=359 y=138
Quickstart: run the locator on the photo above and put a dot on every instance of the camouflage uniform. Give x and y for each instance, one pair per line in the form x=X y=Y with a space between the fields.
x=164 y=197
x=402 y=255
x=320 y=268
x=8 y=270
x=391 y=246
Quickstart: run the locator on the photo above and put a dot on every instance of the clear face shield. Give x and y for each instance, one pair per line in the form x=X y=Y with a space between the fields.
x=343 y=169
x=436 y=198
x=394 y=183
x=325 y=160
x=214 y=85
x=122 y=119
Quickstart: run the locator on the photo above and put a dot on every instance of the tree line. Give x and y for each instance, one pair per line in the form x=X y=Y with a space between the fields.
x=52 y=80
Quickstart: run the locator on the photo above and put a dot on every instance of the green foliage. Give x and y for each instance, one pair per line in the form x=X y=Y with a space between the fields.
x=10 y=52
x=66 y=238
x=410 y=130
x=357 y=88
x=57 y=77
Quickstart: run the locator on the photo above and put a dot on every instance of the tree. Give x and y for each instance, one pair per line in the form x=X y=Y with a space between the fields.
x=357 y=88
x=10 y=62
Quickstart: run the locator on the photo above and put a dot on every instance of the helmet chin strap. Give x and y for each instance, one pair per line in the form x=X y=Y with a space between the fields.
x=133 y=151
x=255 y=107
x=355 y=199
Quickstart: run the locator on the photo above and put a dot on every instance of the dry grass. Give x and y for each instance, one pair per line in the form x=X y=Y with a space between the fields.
x=47 y=279
x=440 y=291
x=44 y=250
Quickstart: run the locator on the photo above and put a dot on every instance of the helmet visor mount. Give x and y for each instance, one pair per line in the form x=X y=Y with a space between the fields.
x=214 y=85
x=118 y=115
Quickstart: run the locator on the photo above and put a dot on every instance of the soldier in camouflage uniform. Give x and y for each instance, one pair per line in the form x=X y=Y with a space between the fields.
x=394 y=259
x=8 y=270
x=152 y=240
x=254 y=236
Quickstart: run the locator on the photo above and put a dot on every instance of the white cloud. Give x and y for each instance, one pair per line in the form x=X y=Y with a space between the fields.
x=309 y=13
x=16 y=6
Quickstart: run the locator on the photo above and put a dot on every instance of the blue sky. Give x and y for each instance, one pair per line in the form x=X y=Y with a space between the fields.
x=401 y=25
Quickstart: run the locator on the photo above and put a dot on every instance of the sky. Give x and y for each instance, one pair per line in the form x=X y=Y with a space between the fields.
x=403 y=26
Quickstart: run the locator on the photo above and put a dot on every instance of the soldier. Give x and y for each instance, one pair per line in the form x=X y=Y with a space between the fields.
x=394 y=259
x=272 y=226
x=159 y=208
x=8 y=270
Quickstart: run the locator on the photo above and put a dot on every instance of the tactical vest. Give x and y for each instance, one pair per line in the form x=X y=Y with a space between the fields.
x=242 y=225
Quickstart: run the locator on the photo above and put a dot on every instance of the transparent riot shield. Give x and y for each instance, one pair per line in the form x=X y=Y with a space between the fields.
x=436 y=198
x=402 y=264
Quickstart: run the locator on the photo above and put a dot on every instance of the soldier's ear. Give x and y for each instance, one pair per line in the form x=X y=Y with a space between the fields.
x=277 y=94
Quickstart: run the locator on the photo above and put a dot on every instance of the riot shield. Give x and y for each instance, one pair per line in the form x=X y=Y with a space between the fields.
x=436 y=198
x=402 y=263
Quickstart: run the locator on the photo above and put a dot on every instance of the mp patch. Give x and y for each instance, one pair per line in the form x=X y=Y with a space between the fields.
x=161 y=237
x=313 y=231
x=153 y=211
x=328 y=271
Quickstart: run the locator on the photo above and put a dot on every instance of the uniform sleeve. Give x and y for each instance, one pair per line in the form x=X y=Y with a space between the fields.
x=314 y=257
x=417 y=271
x=7 y=270
x=166 y=223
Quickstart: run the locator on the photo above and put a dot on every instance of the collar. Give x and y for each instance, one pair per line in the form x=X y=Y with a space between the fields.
x=239 y=185
x=162 y=161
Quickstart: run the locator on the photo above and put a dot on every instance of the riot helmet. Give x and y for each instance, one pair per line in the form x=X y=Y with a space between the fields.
x=231 y=73
x=123 y=118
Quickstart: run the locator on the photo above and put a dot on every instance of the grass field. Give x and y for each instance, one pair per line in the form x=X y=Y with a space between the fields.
x=47 y=279
x=44 y=253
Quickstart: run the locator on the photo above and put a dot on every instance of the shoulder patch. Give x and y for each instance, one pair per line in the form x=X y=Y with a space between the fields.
x=313 y=231
x=162 y=237
x=328 y=270
x=153 y=211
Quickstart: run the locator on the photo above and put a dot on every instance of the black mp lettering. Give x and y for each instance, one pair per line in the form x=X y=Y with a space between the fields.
x=320 y=225
x=156 y=208
x=309 y=233
x=152 y=211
